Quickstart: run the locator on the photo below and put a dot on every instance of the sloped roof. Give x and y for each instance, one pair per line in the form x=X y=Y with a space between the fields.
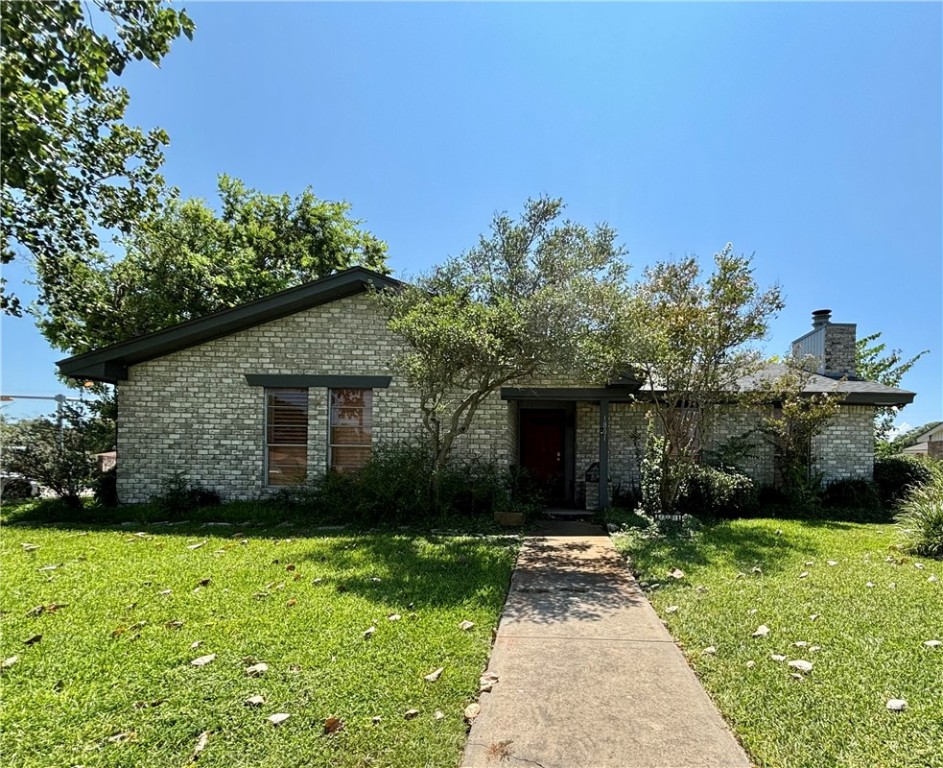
x=110 y=364
x=854 y=391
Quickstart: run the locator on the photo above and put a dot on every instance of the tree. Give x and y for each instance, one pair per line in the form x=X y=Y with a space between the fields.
x=70 y=166
x=187 y=261
x=536 y=294
x=56 y=451
x=690 y=338
x=798 y=417
x=888 y=369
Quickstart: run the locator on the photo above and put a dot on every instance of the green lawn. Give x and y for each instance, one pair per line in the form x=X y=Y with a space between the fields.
x=111 y=682
x=870 y=638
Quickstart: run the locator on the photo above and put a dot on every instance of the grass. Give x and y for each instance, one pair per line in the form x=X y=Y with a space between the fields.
x=870 y=638
x=110 y=683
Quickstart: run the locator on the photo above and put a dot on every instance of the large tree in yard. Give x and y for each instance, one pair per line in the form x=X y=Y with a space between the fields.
x=691 y=338
x=188 y=261
x=535 y=294
x=70 y=166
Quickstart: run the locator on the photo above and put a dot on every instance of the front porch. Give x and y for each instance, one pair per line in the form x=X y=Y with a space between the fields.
x=567 y=440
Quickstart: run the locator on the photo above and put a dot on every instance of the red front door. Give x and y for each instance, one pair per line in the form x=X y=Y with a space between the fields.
x=543 y=433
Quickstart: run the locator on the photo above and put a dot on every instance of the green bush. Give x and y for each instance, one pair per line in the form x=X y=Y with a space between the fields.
x=105 y=488
x=851 y=493
x=395 y=487
x=922 y=515
x=711 y=492
x=15 y=489
x=179 y=496
x=895 y=475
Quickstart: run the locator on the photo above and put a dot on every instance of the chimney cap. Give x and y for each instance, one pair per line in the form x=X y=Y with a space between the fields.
x=821 y=317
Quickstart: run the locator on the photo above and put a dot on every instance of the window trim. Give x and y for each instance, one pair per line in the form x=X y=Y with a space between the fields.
x=330 y=425
x=266 y=446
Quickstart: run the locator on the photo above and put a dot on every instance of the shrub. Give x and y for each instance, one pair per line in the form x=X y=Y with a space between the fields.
x=105 y=487
x=178 y=496
x=851 y=493
x=922 y=515
x=14 y=488
x=895 y=475
x=716 y=493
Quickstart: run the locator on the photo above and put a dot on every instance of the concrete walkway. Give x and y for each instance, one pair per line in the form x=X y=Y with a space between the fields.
x=588 y=676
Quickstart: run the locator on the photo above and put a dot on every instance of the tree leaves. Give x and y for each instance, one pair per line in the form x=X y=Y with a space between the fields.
x=70 y=166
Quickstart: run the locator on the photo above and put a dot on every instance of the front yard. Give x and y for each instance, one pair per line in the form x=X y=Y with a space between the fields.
x=837 y=595
x=107 y=622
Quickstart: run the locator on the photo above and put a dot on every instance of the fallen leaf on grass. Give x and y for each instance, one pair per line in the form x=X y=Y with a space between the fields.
x=204 y=582
x=761 y=631
x=37 y=611
x=175 y=624
x=709 y=651
x=802 y=665
x=291 y=603
x=897 y=705
x=676 y=573
x=369 y=633
x=257 y=670
x=290 y=567
x=433 y=676
x=32 y=640
x=333 y=725
x=814 y=617
x=294 y=668
x=254 y=701
x=919 y=567
x=393 y=617
x=796 y=676
x=804 y=575
x=376 y=720
x=800 y=644
x=870 y=585
x=11 y=660
x=777 y=657
x=50 y=567
x=756 y=569
x=472 y=711
x=29 y=547
x=202 y=661
x=932 y=643
x=200 y=746
x=671 y=609
x=814 y=648
x=278 y=718
x=832 y=562
x=410 y=714
x=197 y=545
x=165 y=592
x=933 y=578
x=148 y=704
x=196 y=644
x=750 y=664
x=122 y=737
x=466 y=625
x=438 y=715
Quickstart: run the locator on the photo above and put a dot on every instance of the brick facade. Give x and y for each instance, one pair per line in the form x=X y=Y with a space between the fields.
x=192 y=411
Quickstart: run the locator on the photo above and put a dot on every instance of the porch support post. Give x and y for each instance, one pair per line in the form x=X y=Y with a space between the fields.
x=603 y=454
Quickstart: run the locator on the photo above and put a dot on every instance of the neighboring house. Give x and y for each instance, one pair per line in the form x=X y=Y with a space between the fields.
x=927 y=442
x=270 y=393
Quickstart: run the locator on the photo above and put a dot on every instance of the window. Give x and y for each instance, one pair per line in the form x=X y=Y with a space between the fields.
x=351 y=429
x=286 y=435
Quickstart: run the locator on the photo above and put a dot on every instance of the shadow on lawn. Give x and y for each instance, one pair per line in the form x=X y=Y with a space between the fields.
x=740 y=548
x=393 y=566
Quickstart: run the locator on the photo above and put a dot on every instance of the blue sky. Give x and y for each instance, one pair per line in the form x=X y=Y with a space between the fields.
x=808 y=134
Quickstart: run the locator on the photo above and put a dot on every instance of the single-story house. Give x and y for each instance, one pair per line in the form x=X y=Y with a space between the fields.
x=928 y=442
x=265 y=395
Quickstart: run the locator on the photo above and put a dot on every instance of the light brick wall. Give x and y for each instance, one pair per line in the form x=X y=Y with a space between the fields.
x=846 y=448
x=192 y=411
